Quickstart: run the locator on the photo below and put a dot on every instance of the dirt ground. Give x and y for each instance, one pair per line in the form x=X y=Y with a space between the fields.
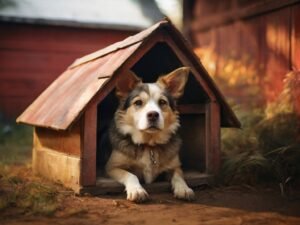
x=230 y=205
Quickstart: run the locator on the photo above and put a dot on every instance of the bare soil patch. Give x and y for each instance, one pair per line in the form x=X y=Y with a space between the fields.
x=226 y=205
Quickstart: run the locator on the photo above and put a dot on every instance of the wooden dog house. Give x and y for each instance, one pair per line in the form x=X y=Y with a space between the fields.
x=72 y=115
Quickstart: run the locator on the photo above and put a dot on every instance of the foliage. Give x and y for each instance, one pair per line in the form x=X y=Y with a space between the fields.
x=15 y=143
x=268 y=146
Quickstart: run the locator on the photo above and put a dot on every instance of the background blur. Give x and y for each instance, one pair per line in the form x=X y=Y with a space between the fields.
x=250 y=48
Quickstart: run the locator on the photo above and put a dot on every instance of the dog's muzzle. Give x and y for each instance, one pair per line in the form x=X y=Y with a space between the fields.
x=152 y=117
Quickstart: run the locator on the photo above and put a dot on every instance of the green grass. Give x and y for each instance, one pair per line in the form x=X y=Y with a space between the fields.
x=15 y=143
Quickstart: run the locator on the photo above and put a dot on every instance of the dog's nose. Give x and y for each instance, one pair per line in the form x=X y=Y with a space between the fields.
x=152 y=116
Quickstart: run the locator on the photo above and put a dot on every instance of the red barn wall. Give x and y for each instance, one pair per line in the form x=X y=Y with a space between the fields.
x=32 y=56
x=265 y=32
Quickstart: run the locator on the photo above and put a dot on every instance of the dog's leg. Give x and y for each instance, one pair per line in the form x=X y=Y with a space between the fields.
x=135 y=192
x=180 y=188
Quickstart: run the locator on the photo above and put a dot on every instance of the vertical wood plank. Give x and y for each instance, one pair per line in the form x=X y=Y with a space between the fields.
x=36 y=145
x=295 y=37
x=212 y=123
x=276 y=51
x=89 y=146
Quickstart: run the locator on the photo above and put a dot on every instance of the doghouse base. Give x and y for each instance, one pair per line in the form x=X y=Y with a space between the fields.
x=109 y=186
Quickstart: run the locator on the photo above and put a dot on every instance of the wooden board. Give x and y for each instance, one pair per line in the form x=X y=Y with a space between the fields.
x=193 y=135
x=213 y=138
x=68 y=141
x=262 y=36
x=191 y=109
x=108 y=186
x=57 y=38
x=89 y=146
x=58 y=167
x=215 y=13
x=295 y=37
x=276 y=51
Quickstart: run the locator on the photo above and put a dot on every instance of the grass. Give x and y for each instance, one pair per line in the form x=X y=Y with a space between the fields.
x=20 y=191
x=15 y=143
x=267 y=149
x=26 y=195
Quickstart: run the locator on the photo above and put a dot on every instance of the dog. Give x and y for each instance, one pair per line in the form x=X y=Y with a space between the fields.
x=144 y=135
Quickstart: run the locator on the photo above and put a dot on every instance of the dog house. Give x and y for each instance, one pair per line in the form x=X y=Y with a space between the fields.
x=72 y=115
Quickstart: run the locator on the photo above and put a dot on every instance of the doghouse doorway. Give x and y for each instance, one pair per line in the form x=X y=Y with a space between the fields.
x=192 y=117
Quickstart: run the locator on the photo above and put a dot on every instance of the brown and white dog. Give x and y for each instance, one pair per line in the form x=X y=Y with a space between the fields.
x=144 y=135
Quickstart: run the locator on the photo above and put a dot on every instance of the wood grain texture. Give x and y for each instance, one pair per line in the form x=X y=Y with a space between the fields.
x=295 y=37
x=276 y=51
x=213 y=138
x=43 y=38
x=89 y=146
x=193 y=134
x=58 y=167
x=109 y=186
x=68 y=141
x=191 y=109
x=34 y=55
x=266 y=43
x=214 y=13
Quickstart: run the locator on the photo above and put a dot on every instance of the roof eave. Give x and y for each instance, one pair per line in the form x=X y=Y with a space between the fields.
x=71 y=23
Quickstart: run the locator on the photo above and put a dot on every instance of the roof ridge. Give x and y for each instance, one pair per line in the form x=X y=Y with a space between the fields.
x=131 y=40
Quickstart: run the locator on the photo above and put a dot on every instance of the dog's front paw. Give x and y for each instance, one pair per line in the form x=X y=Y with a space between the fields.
x=137 y=194
x=184 y=193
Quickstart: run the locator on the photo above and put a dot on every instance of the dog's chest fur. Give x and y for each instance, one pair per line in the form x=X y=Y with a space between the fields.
x=148 y=163
x=143 y=160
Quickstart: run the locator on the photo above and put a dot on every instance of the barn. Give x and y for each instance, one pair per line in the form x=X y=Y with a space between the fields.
x=260 y=38
x=72 y=115
x=39 y=39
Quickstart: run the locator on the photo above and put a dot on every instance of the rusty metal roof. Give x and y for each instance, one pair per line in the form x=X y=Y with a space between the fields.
x=66 y=98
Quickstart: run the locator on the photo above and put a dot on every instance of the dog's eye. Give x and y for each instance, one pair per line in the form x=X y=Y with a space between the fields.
x=162 y=102
x=138 y=103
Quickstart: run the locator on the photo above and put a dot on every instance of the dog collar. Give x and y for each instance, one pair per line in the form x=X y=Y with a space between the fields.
x=152 y=157
x=151 y=152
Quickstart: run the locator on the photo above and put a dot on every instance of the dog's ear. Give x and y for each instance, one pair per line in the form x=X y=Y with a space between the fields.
x=175 y=81
x=126 y=83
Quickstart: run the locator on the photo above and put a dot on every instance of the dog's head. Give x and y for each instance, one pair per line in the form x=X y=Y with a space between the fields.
x=147 y=111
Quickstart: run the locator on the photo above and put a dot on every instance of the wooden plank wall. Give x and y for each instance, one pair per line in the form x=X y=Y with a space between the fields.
x=267 y=36
x=32 y=56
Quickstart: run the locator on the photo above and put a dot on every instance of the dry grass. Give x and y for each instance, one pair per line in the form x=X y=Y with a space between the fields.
x=24 y=195
x=20 y=191
x=268 y=147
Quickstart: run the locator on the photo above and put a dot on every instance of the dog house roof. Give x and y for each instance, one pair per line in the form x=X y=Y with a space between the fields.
x=68 y=96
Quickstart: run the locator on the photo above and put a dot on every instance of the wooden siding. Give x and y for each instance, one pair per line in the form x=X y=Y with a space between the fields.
x=265 y=33
x=32 y=56
x=68 y=142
